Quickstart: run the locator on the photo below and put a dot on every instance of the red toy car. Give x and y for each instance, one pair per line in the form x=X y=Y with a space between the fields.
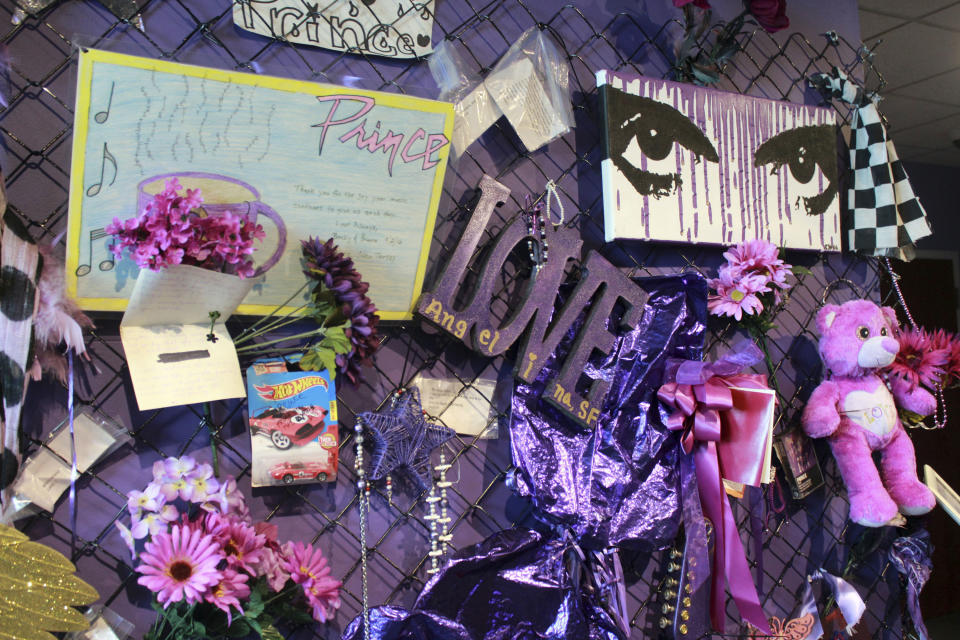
x=287 y=427
x=290 y=471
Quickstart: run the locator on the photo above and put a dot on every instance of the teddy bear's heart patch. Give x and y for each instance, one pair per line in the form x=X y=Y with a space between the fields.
x=874 y=411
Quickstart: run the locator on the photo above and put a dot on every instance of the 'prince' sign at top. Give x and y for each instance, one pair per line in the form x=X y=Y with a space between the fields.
x=303 y=158
x=603 y=287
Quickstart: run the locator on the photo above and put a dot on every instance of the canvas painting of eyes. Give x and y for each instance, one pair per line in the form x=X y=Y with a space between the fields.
x=683 y=163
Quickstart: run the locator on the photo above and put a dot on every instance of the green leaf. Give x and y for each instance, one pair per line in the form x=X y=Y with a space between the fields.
x=251 y=620
x=797 y=269
x=336 y=338
x=269 y=632
x=254 y=605
x=198 y=629
x=239 y=628
x=318 y=358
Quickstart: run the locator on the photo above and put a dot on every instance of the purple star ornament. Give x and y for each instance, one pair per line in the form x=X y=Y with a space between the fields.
x=402 y=437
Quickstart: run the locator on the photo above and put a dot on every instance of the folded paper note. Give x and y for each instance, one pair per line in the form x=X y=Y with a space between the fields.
x=174 y=355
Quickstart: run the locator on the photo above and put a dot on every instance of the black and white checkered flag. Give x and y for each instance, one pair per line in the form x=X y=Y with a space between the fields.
x=883 y=216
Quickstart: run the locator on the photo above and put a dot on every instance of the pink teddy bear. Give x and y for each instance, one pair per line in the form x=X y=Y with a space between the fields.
x=856 y=409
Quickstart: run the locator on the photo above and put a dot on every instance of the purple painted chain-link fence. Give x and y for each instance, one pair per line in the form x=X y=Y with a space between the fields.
x=36 y=126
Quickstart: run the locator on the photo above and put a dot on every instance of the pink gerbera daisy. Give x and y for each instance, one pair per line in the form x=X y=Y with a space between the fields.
x=323 y=596
x=228 y=592
x=918 y=361
x=241 y=544
x=736 y=295
x=309 y=569
x=753 y=256
x=180 y=565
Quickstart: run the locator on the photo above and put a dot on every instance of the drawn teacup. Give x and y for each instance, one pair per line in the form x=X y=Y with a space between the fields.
x=220 y=194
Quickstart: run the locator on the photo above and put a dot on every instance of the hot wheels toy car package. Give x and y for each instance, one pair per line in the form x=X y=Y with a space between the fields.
x=293 y=423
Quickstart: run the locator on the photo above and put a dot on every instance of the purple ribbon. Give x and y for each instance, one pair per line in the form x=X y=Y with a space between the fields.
x=73 y=456
x=911 y=556
x=697 y=392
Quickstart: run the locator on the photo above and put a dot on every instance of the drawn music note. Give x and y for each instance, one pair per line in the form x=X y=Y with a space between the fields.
x=105 y=265
x=102 y=116
x=94 y=189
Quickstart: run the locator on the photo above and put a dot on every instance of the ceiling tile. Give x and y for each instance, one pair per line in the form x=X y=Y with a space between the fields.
x=908 y=152
x=935 y=135
x=916 y=52
x=904 y=8
x=903 y=112
x=942 y=88
x=948 y=18
x=948 y=157
x=873 y=23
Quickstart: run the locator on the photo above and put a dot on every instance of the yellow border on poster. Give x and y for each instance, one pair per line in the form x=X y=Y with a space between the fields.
x=88 y=57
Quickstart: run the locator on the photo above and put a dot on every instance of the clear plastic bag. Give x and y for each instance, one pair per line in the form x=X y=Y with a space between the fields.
x=45 y=475
x=530 y=85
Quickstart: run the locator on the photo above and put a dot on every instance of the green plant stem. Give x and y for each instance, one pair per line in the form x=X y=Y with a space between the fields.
x=281 y=594
x=214 y=452
x=243 y=334
x=761 y=341
x=313 y=332
x=276 y=323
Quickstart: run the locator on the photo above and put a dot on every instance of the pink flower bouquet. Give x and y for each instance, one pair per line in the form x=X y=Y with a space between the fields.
x=213 y=573
x=927 y=358
x=171 y=230
x=750 y=282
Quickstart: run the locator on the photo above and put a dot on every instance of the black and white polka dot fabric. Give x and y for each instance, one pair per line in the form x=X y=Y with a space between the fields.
x=883 y=216
x=19 y=268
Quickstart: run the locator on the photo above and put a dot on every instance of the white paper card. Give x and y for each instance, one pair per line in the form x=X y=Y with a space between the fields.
x=164 y=333
x=391 y=28
x=521 y=96
x=466 y=410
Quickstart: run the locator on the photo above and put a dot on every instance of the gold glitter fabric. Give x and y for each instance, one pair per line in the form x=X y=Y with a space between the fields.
x=38 y=591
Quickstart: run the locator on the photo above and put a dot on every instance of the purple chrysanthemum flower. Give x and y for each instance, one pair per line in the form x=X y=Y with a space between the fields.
x=335 y=272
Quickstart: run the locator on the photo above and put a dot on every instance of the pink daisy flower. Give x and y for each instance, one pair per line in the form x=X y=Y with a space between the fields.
x=753 y=255
x=736 y=297
x=228 y=592
x=323 y=596
x=918 y=362
x=309 y=569
x=240 y=543
x=180 y=566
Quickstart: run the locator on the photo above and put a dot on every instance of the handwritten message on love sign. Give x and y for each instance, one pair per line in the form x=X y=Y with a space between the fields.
x=363 y=167
x=602 y=288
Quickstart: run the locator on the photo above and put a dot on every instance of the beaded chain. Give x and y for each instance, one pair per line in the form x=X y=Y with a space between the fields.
x=439 y=536
x=536 y=227
x=363 y=488
x=938 y=421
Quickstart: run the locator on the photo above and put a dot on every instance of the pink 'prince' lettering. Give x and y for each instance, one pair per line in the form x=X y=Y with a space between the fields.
x=389 y=143
x=368 y=103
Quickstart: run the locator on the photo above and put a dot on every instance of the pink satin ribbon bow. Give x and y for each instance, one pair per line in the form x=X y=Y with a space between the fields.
x=698 y=393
